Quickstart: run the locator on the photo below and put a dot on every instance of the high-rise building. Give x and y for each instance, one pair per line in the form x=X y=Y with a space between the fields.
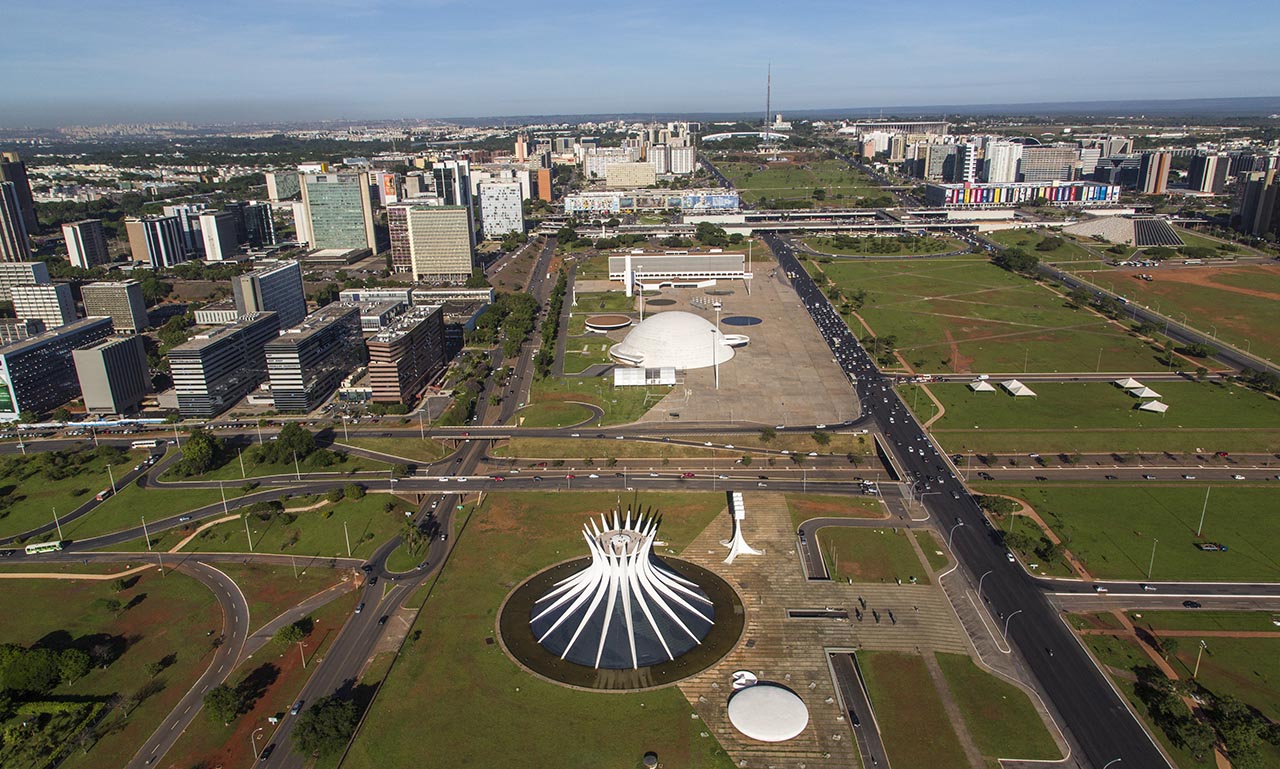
x=1153 y=173
x=453 y=182
x=38 y=374
x=433 y=241
x=307 y=362
x=86 y=243
x=939 y=162
x=189 y=224
x=275 y=289
x=683 y=160
x=157 y=240
x=14 y=171
x=121 y=301
x=260 y=225
x=629 y=176
x=113 y=375
x=542 y=184
x=301 y=225
x=1001 y=163
x=218 y=231
x=1049 y=163
x=51 y=303
x=21 y=274
x=501 y=209
x=339 y=211
x=404 y=357
x=966 y=163
x=14 y=244
x=217 y=368
x=1257 y=207
x=282 y=185
x=14 y=330
x=1208 y=173
x=659 y=155
x=522 y=148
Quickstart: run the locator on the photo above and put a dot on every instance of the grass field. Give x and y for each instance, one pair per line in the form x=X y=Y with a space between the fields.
x=964 y=314
x=932 y=245
x=552 y=414
x=1100 y=417
x=806 y=506
x=837 y=443
x=907 y=706
x=998 y=715
x=580 y=352
x=1239 y=303
x=592 y=303
x=601 y=449
x=1255 y=621
x=1027 y=240
x=932 y=549
x=525 y=720
x=273 y=590
x=415 y=449
x=33 y=498
x=797 y=181
x=621 y=404
x=870 y=555
x=126 y=509
x=1111 y=528
x=313 y=532
x=170 y=617
x=231 y=471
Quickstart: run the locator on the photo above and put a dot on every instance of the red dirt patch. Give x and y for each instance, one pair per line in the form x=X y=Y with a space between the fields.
x=1203 y=276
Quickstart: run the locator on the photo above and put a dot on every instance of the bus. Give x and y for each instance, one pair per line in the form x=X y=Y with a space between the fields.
x=44 y=547
x=151 y=444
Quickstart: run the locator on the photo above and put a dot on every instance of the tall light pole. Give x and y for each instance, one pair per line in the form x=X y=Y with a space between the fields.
x=296 y=470
x=1196 y=672
x=952 y=534
x=57 y=525
x=303 y=653
x=145 y=535
x=984 y=576
x=1109 y=763
x=1006 y=623
x=715 y=361
x=247 y=535
x=112 y=476
x=253 y=741
x=1152 y=564
x=1203 y=510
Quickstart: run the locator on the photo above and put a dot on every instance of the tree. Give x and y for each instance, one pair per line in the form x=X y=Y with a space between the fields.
x=289 y=634
x=73 y=664
x=767 y=434
x=326 y=726
x=222 y=703
x=200 y=452
x=328 y=294
x=61 y=414
x=820 y=438
x=1016 y=260
x=353 y=491
x=399 y=470
x=1051 y=243
x=335 y=495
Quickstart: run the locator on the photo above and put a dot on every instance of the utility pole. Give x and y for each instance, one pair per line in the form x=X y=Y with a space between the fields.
x=1152 y=564
x=112 y=476
x=177 y=439
x=240 y=456
x=1196 y=672
x=422 y=433
x=223 y=492
x=145 y=535
x=347 y=537
x=57 y=525
x=246 y=532
x=1203 y=510
x=297 y=472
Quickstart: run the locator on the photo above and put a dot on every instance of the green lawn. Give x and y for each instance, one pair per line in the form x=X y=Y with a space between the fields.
x=964 y=314
x=1027 y=240
x=999 y=715
x=524 y=718
x=171 y=616
x=806 y=506
x=920 y=246
x=591 y=303
x=552 y=414
x=231 y=470
x=32 y=496
x=907 y=706
x=1206 y=620
x=1247 y=668
x=317 y=532
x=870 y=555
x=273 y=590
x=1100 y=417
x=594 y=267
x=581 y=352
x=621 y=404
x=415 y=449
x=932 y=548
x=601 y=449
x=126 y=509
x=1111 y=528
x=797 y=181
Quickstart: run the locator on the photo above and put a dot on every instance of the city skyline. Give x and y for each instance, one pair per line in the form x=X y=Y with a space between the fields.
x=346 y=60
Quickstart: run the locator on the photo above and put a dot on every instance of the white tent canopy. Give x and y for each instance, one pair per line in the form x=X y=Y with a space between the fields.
x=1145 y=392
x=1128 y=383
x=1017 y=389
x=981 y=386
x=1155 y=406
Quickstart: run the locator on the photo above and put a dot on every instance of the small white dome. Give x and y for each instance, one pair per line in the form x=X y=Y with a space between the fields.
x=768 y=712
x=674 y=339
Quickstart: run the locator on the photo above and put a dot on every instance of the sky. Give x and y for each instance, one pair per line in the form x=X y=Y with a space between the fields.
x=106 y=61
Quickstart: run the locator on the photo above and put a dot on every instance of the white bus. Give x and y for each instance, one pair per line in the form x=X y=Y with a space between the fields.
x=151 y=444
x=44 y=547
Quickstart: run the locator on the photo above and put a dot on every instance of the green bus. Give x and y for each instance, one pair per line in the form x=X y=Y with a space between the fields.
x=44 y=547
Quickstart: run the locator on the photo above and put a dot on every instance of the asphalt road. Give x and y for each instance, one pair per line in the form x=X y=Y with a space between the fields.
x=1091 y=710
x=857 y=706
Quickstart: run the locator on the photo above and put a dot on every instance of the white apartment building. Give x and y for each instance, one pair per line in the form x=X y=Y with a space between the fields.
x=51 y=303
x=1001 y=164
x=501 y=209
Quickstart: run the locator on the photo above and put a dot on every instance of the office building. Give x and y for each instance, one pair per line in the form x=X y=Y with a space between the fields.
x=14 y=244
x=404 y=357
x=1049 y=163
x=896 y=126
x=301 y=225
x=15 y=330
x=21 y=274
x=218 y=231
x=418 y=184
x=260 y=225
x=628 y=176
x=275 y=289
x=542 y=185
x=282 y=185
x=218 y=313
x=113 y=375
x=938 y=163
x=189 y=224
x=659 y=156
x=453 y=181
x=307 y=362
x=597 y=159
x=86 y=243
x=683 y=160
x=14 y=171
x=431 y=242
x=217 y=368
x=522 y=148
x=51 y=303
x=375 y=316
x=966 y=168
x=1153 y=173
x=121 y=301
x=713 y=201
x=1257 y=207
x=1002 y=195
x=1208 y=173
x=1001 y=163
x=157 y=240
x=38 y=374
x=339 y=211
x=501 y=209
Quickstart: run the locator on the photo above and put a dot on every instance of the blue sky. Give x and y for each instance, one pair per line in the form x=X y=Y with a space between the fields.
x=89 y=61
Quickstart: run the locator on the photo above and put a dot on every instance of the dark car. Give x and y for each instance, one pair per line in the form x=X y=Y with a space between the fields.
x=383 y=619
x=266 y=752
x=1191 y=604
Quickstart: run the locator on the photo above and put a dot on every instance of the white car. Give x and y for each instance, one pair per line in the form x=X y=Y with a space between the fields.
x=1237 y=477
x=593 y=475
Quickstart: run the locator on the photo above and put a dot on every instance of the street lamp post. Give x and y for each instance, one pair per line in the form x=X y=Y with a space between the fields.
x=1203 y=510
x=952 y=534
x=1109 y=763
x=303 y=653
x=984 y=576
x=145 y=535
x=112 y=476
x=1152 y=564
x=1006 y=623
x=253 y=741
x=1196 y=672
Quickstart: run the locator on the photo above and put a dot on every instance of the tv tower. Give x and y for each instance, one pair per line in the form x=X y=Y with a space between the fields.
x=768 y=110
